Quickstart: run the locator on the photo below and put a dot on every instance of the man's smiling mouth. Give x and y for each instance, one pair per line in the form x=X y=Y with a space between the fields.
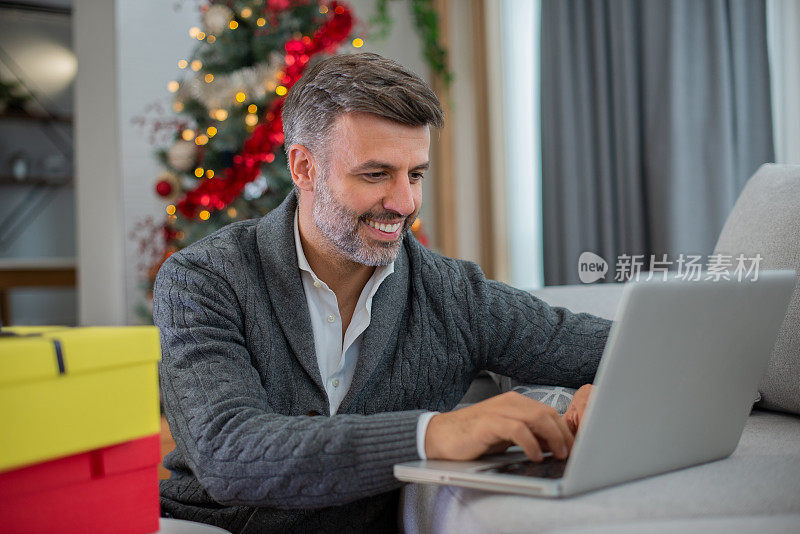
x=388 y=228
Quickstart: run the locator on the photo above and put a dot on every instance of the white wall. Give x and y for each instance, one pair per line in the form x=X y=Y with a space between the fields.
x=101 y=297
x=152 y=36
x=127 y=52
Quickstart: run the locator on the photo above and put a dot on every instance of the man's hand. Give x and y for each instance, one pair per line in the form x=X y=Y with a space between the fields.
x=574 y=414
x=494 y=425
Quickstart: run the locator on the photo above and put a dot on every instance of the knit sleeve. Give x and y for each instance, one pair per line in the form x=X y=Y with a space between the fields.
x=523 y=337
x=242 y=452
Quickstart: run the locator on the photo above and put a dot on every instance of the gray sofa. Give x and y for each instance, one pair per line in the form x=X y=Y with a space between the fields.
x=755 y=489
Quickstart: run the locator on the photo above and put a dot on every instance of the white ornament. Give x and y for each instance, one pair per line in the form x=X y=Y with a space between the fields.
x=256 y=188
x=221 y=92
x=182 y=155
x=217 y=17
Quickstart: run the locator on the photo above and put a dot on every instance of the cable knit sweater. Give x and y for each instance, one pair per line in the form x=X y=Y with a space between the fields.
x=243 y=395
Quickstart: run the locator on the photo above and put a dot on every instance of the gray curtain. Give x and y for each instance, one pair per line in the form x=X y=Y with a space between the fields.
x=654 y=115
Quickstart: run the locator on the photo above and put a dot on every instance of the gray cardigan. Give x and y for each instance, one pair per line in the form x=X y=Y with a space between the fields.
x=241 y=386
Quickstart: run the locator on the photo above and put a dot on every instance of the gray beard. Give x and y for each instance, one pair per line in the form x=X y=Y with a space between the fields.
x=340 y=225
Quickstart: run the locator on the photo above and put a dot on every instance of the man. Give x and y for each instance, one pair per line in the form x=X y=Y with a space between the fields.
x=306 y=353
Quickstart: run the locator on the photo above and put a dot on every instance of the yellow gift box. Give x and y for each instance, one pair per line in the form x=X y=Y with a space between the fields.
x=69 y=390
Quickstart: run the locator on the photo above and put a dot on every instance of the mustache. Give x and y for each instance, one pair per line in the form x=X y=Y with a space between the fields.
x=387 y=216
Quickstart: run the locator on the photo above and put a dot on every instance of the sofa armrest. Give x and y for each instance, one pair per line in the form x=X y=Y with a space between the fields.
x=598 y=299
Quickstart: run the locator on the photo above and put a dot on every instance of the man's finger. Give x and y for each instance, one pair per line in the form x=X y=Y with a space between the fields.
x=547 y=428
x=569 y=419
x=518 y=433
x=518 y=406
x=566 y=431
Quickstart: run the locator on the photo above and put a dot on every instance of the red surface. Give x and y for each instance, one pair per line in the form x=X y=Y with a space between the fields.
x=113 y=489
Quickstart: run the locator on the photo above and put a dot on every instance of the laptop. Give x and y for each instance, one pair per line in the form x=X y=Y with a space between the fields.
x=674 y=389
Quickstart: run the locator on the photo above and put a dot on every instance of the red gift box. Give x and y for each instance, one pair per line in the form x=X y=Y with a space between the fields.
x=112 y=489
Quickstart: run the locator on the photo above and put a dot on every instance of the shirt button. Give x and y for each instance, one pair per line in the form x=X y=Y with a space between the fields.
x=336 y=382
x=317 y=283
x=331 y=318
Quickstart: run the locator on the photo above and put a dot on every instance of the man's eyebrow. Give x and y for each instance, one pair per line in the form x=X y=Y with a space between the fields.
x=375 y=164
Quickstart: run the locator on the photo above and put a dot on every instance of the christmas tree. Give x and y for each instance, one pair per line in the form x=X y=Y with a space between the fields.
x=226 y=162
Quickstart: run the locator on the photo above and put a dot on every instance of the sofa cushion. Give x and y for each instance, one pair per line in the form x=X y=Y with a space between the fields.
x=554 y=396
x=761 y=477
x=766 y=221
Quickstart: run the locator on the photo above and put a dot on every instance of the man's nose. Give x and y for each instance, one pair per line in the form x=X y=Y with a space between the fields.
x=400 y=197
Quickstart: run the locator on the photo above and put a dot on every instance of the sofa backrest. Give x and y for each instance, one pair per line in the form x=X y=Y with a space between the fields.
x=766 y=221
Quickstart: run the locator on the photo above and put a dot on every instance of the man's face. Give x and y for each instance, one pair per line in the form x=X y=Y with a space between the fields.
x=370 y=189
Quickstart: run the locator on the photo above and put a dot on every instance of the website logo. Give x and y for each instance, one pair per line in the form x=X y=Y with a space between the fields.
x=591 y=267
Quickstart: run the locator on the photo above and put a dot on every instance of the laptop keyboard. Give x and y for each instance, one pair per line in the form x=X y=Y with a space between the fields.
x=550 y=467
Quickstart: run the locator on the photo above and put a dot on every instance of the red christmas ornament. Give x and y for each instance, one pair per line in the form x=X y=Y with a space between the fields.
x=164 y=188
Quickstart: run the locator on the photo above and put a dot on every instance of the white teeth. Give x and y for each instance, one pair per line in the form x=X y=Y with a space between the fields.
x=388 y=228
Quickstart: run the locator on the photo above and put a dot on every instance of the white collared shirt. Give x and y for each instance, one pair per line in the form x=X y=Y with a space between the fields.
x=337 y=357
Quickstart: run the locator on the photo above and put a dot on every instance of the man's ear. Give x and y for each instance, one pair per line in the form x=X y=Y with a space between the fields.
x=303 y=167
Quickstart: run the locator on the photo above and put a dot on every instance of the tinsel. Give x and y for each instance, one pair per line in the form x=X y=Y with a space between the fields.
x=220 y=91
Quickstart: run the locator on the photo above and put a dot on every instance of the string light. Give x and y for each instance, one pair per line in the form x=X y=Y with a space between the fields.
x=211 y=131
x=177 y=106
x=209 y=174
x=196 y=65
x=358 y=42
x=232 y=212
x=209 y=78
x=204 y=215
x=194 y=31
x=221 y=115
x=281 y=90
x=187 y=134
x=201 y=36
x=201 y=140
x=211 y=39
x=240 y=97
x=233 y=25
x=252 y=108
x=182 y=64
x=170 y=209
x=323 y=9
x=172 y=86
x=261 y=21
x=199 y=171
x=251 y=120
x=246 y=12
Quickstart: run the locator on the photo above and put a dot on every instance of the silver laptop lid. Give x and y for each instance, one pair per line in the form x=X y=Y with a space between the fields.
x=703 y=346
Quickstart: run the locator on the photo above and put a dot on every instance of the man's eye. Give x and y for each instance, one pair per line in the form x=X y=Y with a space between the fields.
x=417 y=176
x=374 y=175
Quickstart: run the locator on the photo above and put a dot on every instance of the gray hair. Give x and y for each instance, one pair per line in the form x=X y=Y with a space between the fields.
x=363 y=82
